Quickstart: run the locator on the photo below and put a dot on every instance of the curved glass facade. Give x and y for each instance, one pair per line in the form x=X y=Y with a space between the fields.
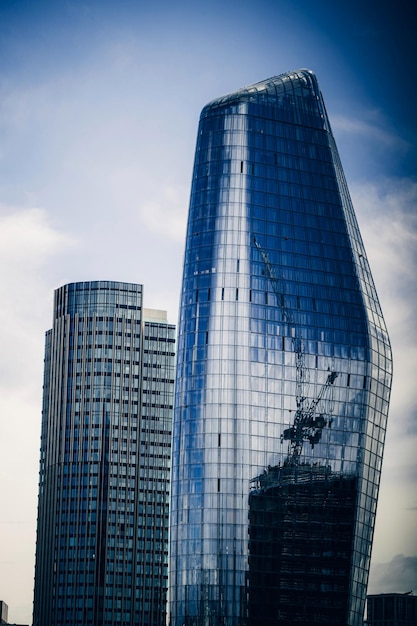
x=283 y=373
x=102 y=539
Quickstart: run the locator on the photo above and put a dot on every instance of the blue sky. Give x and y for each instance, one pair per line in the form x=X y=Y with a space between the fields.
x=99 y=105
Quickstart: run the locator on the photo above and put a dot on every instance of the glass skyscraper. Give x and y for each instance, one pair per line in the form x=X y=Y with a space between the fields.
x=102 y=537
x=283 y=373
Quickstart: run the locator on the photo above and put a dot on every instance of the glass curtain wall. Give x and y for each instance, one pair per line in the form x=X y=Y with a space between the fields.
x=283 y=373
x=102 y=538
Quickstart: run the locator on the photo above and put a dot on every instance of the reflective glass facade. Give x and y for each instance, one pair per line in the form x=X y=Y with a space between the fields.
x=102 y=538
x=283 y=373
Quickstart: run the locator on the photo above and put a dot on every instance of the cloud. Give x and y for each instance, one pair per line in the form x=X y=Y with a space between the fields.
x=387 y=215
x=372 y=130
x=25 y=235
x=30 y=250
x=397 y=576
x=168 y=214
x=27 y=246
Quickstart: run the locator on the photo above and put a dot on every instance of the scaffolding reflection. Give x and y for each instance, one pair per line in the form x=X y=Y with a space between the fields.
x=301 y=523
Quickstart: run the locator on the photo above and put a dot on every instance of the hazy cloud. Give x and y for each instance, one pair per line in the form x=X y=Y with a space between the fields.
x=374 y=130
x=29 y=252
x=387 y=215
x=26 y=236
x=27 y=245
x=167 y=215
x=397 y=576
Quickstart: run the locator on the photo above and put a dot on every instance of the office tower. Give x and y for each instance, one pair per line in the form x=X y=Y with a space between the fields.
x=283 y=373
x=4 y=612
x=392 y=609
x=102 y=538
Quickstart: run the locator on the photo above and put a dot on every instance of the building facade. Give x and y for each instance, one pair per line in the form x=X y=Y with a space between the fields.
x=4 y=612
x=102 y=536
x=392 y=609
x=283 y=373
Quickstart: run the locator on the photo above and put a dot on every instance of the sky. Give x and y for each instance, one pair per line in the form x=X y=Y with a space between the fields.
x=99 y=106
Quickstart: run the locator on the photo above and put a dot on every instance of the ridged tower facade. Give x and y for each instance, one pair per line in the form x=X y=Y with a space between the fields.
x=283 y=376
x=103 y=511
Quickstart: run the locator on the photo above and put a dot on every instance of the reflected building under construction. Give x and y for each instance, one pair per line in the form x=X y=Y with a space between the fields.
x=283 y=373
x=301 y=528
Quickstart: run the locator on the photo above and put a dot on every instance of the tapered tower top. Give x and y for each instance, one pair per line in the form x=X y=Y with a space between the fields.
x=291 y=97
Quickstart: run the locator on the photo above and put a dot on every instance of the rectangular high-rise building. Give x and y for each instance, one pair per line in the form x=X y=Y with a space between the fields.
x=283 y=373
x=4 y=612
x=392 y=609
x=102 y=537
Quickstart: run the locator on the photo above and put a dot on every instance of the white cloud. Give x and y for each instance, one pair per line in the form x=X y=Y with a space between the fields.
x=27 y=245
x=388 y=218
x=25 y=235
x=397 y=576
x=29 y=250
x=387 y=214
x=168 y=214
x=373 y=130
